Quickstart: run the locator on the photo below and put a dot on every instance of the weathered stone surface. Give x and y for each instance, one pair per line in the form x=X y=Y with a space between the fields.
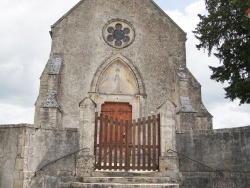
x=210 y=180
x=87 y=125
x=55 y=65
x=19 y=164
x=124 y=179
x=51 y=99
x=224 y=150
x=18 y=184
x=113 y=185
x=168 y=161
x=186 y=105
x=46 y=146
x=85 y=166
x=10 y=159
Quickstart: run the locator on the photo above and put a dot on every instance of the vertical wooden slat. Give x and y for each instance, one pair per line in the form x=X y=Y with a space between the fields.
x=133 y=143
x=95 y=139
x=139 y=145
x=110 y=144
x=121 y=145
x=116 y=144
x=144 y=143
x=106 y=127
x=95 y=136
x=129 y=144
x=159 y=135
x=126 y=144
x=154 y=142
x=149 y=143
x=100 y=142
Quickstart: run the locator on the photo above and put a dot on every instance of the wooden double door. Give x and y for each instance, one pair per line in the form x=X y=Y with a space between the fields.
x=115 y=111
x=123 y=144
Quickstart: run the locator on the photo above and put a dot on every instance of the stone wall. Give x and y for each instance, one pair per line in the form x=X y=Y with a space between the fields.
x=226 y=150
x=26 y=154
x=48 y=153
x=12 y=140
x=215 y=180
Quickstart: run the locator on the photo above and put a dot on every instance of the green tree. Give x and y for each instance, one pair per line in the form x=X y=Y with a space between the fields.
x=225 y=32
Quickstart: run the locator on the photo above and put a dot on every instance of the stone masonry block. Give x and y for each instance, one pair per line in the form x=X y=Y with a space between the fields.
x=16 y=175
x=19 y=164
x=21 y=139
x=18 y=184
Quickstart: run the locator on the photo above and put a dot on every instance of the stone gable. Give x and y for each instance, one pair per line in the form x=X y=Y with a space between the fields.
x=154 y=55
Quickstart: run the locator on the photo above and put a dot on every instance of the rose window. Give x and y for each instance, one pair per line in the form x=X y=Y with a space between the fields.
x=118 y=33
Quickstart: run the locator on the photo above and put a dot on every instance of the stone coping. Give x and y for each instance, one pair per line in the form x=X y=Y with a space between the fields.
x=31 y=126
x=21 y=125
x=213 y=131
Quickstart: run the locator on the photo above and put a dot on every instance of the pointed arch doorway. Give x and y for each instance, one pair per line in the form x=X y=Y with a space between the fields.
x=120 y=143
x=118 y=80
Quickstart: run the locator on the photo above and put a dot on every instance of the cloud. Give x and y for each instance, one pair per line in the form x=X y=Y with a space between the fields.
x=25 y=48
x=170 y=4
x=14 y=114
x=230 y=115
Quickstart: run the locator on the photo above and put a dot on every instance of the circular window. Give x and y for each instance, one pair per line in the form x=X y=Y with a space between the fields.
x=118 y=33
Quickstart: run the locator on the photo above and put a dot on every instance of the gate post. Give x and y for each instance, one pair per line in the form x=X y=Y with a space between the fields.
x=86 y=161
x=168 y=162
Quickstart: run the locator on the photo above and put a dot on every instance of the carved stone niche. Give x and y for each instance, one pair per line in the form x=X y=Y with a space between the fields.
x=118 y=79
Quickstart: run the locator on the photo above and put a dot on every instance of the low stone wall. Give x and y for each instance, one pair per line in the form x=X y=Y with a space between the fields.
x=49 y=153
x=12 y=146
x=27 y=154
x=215 y=180
x=225 y=150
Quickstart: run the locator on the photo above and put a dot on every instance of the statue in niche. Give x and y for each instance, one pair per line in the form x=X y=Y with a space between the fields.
x=118 y=79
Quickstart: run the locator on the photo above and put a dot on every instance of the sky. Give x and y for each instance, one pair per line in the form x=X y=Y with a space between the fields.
x=25 y=46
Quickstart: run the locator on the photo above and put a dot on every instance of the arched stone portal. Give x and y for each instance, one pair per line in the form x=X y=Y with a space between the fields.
x=118 y=80
x=130 y=66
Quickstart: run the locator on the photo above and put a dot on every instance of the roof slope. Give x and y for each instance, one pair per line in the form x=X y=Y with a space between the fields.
x=82 y=1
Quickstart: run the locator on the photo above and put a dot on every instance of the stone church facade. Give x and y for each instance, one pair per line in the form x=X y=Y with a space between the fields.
x=124 y=59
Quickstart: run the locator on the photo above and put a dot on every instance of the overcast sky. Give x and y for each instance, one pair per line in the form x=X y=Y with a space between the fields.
x=25 y=47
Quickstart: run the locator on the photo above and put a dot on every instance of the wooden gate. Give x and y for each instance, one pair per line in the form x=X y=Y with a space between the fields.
x=126 y=145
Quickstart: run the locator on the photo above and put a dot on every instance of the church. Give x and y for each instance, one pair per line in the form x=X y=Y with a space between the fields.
x=118 y=107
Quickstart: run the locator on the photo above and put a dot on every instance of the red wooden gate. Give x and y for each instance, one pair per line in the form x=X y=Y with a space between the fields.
x=138 y=150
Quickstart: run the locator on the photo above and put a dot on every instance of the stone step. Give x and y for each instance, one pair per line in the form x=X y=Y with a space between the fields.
x=119 y=185
x=128 y=174
x=135 y=179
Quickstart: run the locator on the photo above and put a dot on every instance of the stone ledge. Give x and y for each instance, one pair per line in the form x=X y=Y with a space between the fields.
x=31 y=126
x=21 y=125
x=213 y=131
x=127 y=180
x=58 y=129
x=118 y=185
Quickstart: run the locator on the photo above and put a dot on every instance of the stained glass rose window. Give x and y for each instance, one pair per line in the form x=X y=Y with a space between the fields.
x=118 y=33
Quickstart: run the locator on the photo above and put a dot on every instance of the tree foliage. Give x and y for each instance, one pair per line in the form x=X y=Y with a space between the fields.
x=225 y=32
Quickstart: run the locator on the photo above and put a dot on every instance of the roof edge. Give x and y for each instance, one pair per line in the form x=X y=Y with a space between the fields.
x=67 y=13
x=152 y=1
x=169 y=17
